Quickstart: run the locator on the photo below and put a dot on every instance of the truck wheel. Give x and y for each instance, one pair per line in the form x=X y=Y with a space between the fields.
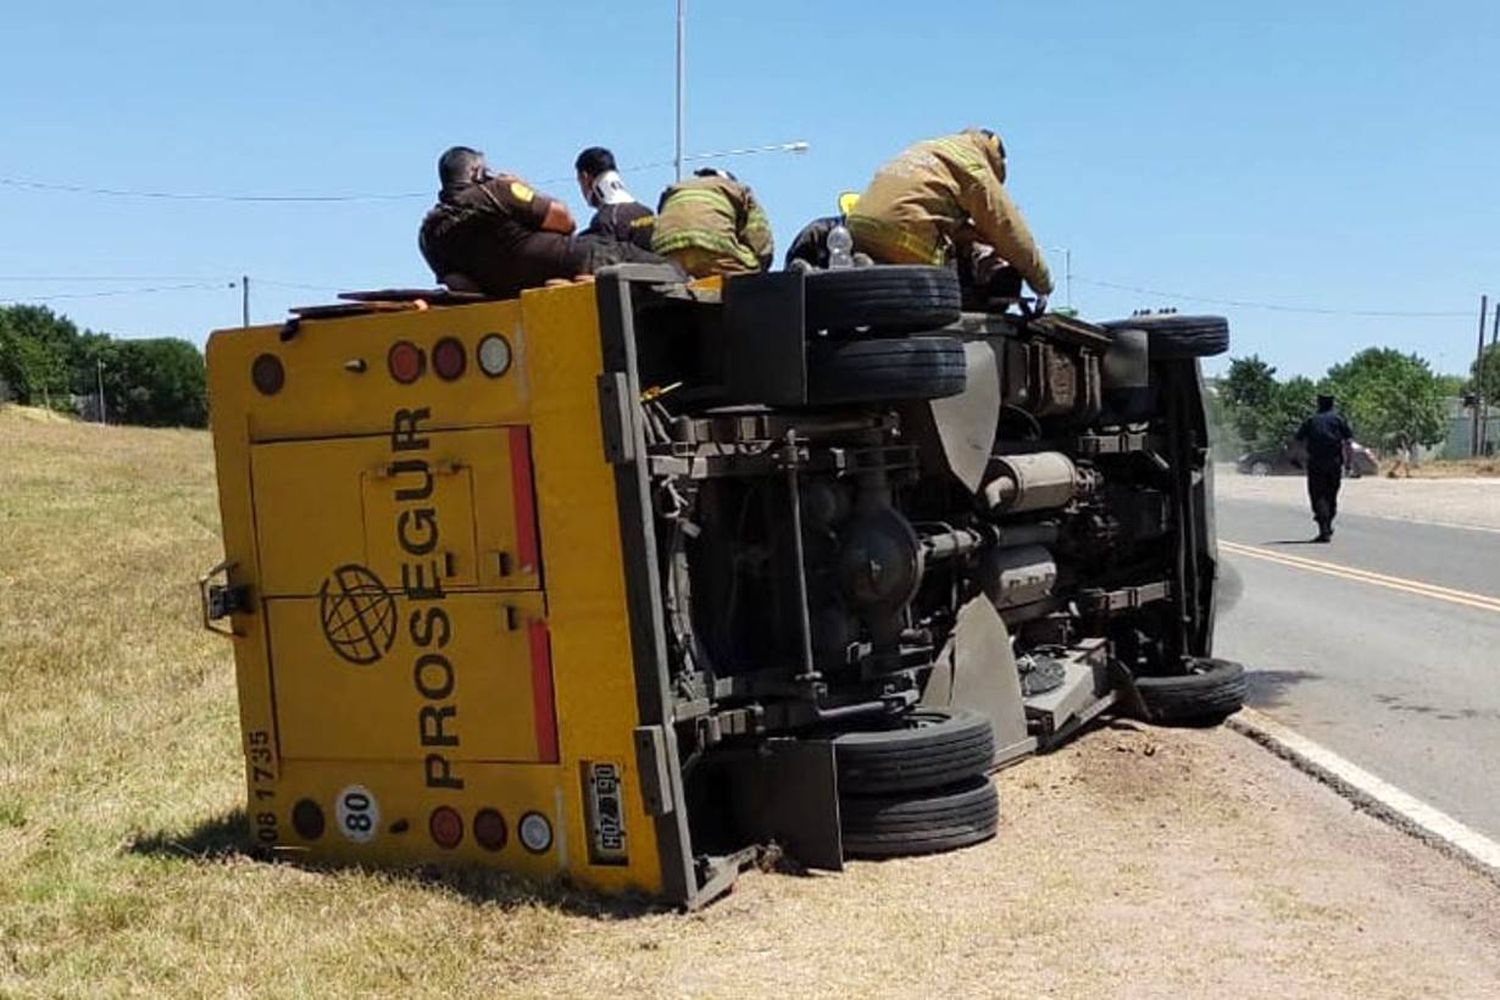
x=1172 y=337
x=1211 y=692
x=872 y=371
x=899 y=297
x=924 y=749
x=889 y=826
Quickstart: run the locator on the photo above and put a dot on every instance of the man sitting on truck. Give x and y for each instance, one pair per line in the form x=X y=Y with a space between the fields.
x=616 y=212
x=938 y=200
x=712 y=224
x=493 y=233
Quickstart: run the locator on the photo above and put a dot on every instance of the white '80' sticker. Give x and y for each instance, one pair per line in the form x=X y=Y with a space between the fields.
x=358 y=814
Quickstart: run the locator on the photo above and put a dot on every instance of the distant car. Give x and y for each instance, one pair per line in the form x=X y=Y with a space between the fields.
x=1362 y=461
x=1286 y=460
x=1291 y=460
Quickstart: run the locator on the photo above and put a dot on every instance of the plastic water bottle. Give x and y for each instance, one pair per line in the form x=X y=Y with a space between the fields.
x=840 y=247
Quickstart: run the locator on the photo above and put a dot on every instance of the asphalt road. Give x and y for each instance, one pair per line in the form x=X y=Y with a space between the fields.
x=1384 y=645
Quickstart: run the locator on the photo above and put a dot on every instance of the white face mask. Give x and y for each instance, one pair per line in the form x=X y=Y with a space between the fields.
x=610 y=190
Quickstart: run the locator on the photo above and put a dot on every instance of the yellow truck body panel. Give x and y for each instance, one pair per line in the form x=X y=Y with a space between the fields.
x=435 y=618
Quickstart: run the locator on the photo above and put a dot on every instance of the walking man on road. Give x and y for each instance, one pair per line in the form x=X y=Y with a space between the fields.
x=1326 y=435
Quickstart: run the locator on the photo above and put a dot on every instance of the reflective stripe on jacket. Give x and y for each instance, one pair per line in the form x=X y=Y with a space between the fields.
x=715 y=214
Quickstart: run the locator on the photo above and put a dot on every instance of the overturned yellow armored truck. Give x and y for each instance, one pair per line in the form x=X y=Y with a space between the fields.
x=622 y=581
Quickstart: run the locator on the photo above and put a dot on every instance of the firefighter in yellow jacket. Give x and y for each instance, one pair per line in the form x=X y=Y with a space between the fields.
x=938 y=199
x=712 y=224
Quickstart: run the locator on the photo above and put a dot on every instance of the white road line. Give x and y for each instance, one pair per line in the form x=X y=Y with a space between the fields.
x=1424 y=522
x=1428 y=524
x=1375 y=794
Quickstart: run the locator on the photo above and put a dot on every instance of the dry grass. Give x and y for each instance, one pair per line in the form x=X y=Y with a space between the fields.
x=1135 y=863
x=1444 y=468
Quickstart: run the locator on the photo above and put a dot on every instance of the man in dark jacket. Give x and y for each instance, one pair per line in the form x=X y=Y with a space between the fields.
x=495 y=234
x=1326 y=435
x=616 y=212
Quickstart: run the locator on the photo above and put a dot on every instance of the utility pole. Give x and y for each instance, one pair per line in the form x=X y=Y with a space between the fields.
x=681 y=41
x=245 y=301
x=1484 y=306
x=1484 y=420
x=99 y=371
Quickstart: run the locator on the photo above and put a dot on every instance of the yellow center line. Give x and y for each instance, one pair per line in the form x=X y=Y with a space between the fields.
x=1484 y=602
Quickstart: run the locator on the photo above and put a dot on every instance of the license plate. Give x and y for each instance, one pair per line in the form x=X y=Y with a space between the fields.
x=604 y=799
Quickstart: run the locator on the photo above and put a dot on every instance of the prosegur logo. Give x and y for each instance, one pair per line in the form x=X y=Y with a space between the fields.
x=358 y=613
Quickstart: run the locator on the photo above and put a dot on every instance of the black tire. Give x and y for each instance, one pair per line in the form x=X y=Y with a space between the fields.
x=1172 y=337
x=870 y=371
x=929 y=748
x=1213 y=692
x=890 y=826
x=883 y=297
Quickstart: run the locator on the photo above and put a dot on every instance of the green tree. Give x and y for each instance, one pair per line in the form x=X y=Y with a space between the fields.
x=1453 y=386
x=1294 y=402
x=1249 y=391
x=44 y=359
x=156 y=383
x=1484 y=374
x=1392 y=399
x=36 y=354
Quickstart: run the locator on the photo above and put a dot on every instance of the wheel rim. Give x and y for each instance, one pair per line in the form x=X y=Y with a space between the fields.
x=1260 y=469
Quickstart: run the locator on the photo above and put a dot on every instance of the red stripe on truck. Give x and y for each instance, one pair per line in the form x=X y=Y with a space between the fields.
x=541 y=693
x=525 y=502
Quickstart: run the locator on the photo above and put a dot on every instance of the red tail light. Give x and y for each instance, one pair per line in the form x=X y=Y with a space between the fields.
x=268 y=374
x=449 y=359
x=489 y=829
x=406 y=362
x=446 y=827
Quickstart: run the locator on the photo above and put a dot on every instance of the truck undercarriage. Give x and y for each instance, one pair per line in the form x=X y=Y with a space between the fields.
x=953 y=545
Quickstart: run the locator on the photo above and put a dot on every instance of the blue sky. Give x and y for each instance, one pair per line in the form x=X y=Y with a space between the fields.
x=1336 y=155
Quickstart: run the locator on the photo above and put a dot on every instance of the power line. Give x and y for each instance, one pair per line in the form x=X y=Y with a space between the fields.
x=1273 y=306
x=113 y=277
x=197 y=286
x=800 y=146
x=208 y=196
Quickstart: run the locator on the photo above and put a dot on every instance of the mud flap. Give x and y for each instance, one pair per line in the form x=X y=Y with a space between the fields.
x=786 y=792
x=978 y=671
x=965 y=425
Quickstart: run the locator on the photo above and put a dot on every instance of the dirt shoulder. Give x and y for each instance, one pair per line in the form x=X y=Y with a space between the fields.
x=1135 y=863
x=1469 y=501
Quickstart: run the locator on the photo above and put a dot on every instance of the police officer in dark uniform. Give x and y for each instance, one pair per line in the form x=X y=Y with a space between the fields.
x=495 y=234
x=1326 y=435
x=616 y=212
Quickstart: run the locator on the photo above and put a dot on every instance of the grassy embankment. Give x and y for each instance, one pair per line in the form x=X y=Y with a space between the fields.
x=120 y=782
